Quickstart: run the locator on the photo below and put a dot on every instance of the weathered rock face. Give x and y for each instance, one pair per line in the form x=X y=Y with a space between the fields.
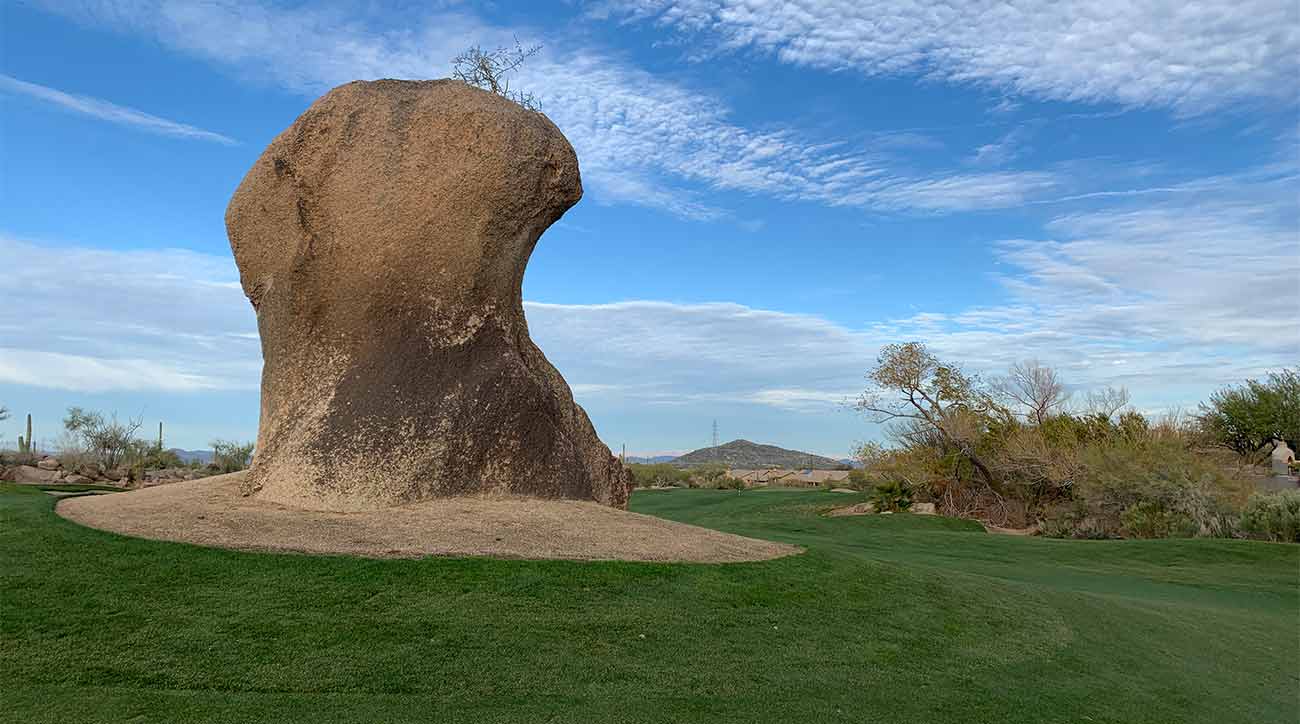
x=382 y=240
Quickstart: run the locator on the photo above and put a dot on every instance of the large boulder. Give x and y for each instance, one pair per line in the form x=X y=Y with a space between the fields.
x=382 y=240
x=33 y=474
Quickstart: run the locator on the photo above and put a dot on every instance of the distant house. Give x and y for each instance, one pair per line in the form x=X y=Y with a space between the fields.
x=784 y=477
x=1282 y=458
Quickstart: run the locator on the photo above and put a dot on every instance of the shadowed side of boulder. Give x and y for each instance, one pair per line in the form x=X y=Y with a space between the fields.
x=382 y=240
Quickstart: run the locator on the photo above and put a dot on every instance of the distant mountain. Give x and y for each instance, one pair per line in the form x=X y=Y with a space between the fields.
x=652 y=460
x=202 y=457
x=747 y=455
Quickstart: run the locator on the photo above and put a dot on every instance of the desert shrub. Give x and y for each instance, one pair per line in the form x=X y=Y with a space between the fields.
x=142 y=455
x=891 y=496
x=231 y=456
x=1150 y=519
x=708 y=476
x=1273 y=516
x=858 y=480
x=729 y=483
x=1073 y=520
x=1155 y=488
x=489 y=70
x=658 y=475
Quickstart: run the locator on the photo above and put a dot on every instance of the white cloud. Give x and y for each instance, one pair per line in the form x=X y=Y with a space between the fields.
x=97 y=320
x=93 y=374
x=1195 y=290
x=641 y=139
x=110 y=112
x=1191 y=56
x=1004 y=150
x=1172 y=297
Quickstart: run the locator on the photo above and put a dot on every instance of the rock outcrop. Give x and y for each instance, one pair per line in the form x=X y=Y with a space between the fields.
x=382 y=240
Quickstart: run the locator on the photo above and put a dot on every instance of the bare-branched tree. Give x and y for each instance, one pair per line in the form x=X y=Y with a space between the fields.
x=1034 y=387
x=1107 y=401
x=4 y=413
x=489 y=70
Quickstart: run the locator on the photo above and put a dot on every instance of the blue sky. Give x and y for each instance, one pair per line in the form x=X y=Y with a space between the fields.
x=773 y=190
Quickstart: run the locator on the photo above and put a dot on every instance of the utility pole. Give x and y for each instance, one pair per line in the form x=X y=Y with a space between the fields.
x=715 y=437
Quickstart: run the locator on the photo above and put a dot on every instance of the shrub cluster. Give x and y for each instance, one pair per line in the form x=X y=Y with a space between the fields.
x=1013 y=453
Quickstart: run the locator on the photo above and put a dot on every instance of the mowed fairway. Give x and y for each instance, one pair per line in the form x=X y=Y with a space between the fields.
x=891 y=619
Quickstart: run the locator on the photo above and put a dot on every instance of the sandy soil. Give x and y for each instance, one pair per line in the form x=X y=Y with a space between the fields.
x=211 y=512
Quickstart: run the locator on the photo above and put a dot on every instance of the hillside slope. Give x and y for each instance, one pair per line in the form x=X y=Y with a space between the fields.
x=749 y=455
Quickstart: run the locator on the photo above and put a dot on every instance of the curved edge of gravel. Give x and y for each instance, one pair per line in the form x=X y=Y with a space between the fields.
x=212 y=512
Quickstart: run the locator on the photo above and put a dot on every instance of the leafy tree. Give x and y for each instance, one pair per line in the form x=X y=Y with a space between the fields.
x=109 y=440
x=931 y=398
x=231 y=456
x=1246 y=419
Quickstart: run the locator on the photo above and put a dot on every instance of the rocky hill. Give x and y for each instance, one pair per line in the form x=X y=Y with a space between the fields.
x=748 y=455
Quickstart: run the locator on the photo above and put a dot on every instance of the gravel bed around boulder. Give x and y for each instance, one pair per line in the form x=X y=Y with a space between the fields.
x=212 y=512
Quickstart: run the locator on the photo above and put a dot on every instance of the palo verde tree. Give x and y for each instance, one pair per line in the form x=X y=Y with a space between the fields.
x=108 y=439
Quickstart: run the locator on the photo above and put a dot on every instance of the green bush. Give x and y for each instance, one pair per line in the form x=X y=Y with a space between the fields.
x=1273 y=516
x=658 y=474
x=1165 y=485
x=729 y=483
x=1150 y=519
x=892 y=496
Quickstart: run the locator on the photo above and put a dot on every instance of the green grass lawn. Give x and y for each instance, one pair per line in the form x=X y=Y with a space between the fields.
x=883 y=619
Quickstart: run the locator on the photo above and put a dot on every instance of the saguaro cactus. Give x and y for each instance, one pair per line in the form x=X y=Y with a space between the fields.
x=25 y=443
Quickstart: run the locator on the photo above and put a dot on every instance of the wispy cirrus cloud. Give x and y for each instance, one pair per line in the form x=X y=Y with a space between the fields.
x=1189 y=56
x=1193 y=290
x=641 y=139
x=111 y=112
